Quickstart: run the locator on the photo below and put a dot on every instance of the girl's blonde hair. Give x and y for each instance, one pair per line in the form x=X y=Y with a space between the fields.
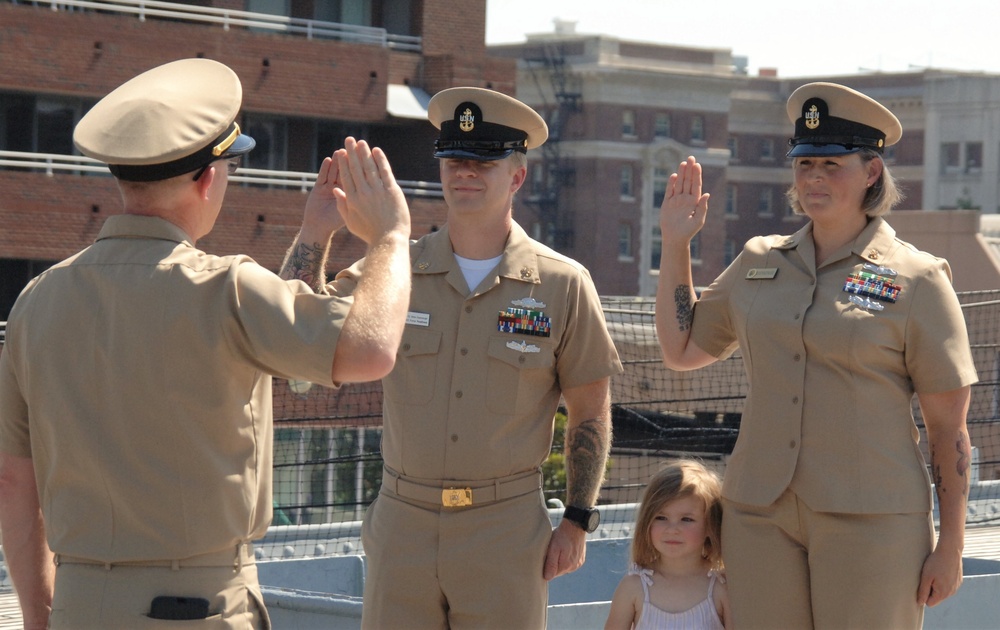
x=680 y=479
x=879 y=199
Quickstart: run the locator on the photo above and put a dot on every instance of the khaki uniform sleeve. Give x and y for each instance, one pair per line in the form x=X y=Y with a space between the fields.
x=938 y=356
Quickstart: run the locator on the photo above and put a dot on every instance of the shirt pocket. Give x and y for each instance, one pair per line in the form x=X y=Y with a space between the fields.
x=518 y=378
x=412 y=381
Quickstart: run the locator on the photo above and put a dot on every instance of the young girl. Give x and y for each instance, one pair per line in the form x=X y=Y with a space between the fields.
x=674 y=580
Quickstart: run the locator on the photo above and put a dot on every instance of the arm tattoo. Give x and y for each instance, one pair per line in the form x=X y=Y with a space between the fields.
x=962 y=465
x=586 y=454
x=685 y=309
x=306 y=263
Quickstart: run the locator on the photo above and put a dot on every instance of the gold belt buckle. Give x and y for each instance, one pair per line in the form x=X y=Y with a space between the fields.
x=456 y=497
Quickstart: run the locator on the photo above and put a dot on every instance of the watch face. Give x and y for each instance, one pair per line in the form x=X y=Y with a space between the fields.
x=593 y=520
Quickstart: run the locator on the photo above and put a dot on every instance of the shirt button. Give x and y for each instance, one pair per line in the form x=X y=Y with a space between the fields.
x=458 y=394
x=454 y=437
x=406 y=346
x=798 y=357
x=795 y=399
x=796 y=316
x=468 y=309
x=790 y=444
x=464 y=351
x=520 y=359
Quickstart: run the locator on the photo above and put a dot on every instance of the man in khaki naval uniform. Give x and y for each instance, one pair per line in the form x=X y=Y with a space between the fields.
x=499 y=326
x=135 y=383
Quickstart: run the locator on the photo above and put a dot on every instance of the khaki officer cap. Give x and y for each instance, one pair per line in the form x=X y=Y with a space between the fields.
x=832 y=119
x=171 y=120
x=480 y=124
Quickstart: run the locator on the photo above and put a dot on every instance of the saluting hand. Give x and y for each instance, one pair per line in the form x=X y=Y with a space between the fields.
x=321 y=206
x=368 y=197
x=684 y=207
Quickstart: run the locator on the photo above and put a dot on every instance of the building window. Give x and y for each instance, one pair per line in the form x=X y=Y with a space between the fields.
x=950 y=157
x=698 y=129
x=38 y=125
x=764 y=203
x=624 y=241
x=766 y=149
x=628 y=123
x=54 y=123
x=889 y=155
x=730 y=253
x=655 y=248
x=731 y=209
x=661 y=126
x=271 y=134
x=973 y=157
x=626 y=181
x=734 y=148
x=660 y=179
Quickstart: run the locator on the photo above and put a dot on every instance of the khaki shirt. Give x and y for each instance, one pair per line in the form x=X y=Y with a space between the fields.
x=831 y=381
x=467 y=401
x=136 y=375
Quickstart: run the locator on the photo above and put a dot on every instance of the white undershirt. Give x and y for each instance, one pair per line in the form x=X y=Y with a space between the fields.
x=475 y=270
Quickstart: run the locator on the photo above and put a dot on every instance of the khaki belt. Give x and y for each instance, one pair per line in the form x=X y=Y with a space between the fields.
x=450 y=493
x=234 y=557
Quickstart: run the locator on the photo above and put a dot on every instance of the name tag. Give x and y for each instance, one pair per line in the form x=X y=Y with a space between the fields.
x=414 y=318
x=762 y=273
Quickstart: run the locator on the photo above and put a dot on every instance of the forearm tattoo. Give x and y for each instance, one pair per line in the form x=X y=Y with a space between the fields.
x=586 y=455
x=961 y=466
x=306 y=263
x=685 y=308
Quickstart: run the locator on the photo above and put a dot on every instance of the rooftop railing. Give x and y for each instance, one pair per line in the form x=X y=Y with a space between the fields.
x=228 y=18
x=54 y=163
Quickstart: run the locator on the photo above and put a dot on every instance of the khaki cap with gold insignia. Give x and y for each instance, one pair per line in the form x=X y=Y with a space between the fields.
x=832 y=119
x=480 y=124
x=170 y=120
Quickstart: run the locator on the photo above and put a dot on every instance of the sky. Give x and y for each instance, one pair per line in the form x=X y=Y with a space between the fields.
x=799 y=38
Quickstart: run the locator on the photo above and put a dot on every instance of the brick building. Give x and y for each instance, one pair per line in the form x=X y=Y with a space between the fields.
x=312 y=73
x=624 y=114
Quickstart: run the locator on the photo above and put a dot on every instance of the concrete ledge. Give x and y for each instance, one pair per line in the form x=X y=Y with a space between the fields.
x=578 y=601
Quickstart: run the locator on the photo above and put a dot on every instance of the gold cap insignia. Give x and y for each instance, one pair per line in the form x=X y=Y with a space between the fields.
x=812 y=118
x=467 y=121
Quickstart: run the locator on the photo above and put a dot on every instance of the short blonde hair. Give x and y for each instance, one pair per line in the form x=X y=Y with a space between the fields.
x=879 y=199
x=679 y=479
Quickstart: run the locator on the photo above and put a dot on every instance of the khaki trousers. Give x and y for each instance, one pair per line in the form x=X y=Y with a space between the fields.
x=792 y=568
x=97 y=596
x=434 y=567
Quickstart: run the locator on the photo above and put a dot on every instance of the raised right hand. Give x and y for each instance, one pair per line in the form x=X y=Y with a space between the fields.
x=684 y=207
x=368 y=197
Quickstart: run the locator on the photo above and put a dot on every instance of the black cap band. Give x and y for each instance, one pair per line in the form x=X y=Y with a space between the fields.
x=230 y=143
x=818 y=129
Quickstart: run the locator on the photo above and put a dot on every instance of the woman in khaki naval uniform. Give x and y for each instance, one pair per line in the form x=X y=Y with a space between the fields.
x=827 y=499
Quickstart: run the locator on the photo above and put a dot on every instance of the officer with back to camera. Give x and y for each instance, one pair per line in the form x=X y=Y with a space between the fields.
x=135 y=383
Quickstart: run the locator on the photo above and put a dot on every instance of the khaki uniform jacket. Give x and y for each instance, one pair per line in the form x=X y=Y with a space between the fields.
x=467 y=401
x=831 y=380
x=136 y=375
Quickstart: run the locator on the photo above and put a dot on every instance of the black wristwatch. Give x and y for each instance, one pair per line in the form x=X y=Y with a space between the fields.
x=586 y=519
